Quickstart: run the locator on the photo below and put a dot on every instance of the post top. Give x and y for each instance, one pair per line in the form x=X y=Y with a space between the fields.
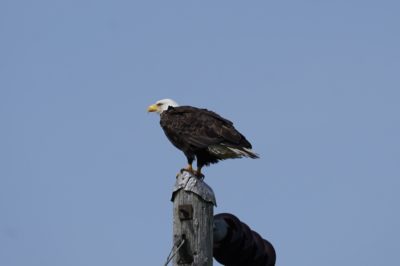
x=189 y=182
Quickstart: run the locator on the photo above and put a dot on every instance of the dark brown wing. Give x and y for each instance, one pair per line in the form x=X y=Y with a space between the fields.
x=199 y=128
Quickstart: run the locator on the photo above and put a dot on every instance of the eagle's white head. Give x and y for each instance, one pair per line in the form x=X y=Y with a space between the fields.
x=162 y=105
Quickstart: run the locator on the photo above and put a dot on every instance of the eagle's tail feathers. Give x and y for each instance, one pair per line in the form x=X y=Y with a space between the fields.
x=244 y=152
x=223 y=151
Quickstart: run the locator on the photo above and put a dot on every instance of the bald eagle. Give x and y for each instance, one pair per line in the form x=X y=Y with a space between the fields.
x=201 y=134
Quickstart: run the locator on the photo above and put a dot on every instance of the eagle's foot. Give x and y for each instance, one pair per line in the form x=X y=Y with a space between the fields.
x=188 y=169
x=193 y=173
x=199 y=175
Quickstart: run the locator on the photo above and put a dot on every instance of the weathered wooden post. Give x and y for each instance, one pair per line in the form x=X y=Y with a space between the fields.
x=193 y=202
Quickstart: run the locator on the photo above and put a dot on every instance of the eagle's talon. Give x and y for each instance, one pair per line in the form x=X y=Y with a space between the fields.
x=200 y=176
x=190 y=171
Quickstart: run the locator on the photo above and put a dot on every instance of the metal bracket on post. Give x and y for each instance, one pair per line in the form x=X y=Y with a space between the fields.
x=185 y=212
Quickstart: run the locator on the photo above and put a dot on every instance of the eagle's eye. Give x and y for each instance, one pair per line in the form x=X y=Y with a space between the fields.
x=159 y=104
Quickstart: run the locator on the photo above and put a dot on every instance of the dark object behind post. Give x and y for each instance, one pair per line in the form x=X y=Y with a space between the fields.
x=193 y=202
x=235 y=244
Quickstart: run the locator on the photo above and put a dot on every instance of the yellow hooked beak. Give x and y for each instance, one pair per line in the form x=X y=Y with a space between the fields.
x=152 y=108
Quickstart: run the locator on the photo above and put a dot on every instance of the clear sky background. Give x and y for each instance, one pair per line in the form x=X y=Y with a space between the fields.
x=86 y=174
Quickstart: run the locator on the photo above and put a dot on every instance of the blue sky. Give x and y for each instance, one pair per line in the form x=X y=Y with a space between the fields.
x=86 y=174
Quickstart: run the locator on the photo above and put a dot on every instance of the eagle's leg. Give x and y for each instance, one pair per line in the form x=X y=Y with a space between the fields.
x=200 y=164
x=189 y=168
x=198 y=173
